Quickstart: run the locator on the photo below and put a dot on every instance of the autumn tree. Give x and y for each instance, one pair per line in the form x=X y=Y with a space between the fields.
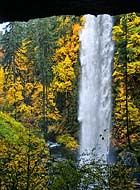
x=21 y=88
x=66 y=72
x=23 y=157
x=126 y=81
x=42 y=73
x=2 y=94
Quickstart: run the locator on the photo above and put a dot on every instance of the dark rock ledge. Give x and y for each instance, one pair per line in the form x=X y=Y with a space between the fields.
x=24 y=10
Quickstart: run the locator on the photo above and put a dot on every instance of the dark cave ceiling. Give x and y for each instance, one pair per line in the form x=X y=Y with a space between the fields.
x=26 y=10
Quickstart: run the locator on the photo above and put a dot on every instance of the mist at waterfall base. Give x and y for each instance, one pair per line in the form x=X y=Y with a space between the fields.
x=95 y=105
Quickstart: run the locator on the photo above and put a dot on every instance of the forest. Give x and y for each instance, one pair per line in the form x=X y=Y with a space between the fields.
x=39 y=86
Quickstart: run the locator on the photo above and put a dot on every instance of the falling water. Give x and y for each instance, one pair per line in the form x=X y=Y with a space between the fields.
x=96 y=55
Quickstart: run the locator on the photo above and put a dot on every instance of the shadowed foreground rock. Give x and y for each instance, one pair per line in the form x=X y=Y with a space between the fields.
x=26 y=10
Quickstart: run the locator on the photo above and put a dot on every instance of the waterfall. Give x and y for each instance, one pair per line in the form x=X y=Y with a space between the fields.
x=95 y=106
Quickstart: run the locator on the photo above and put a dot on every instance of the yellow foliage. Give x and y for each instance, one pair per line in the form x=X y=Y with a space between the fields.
x=133 y=67
x=68 y=141
x=54 y=115
x=1 y=77
x=14 y=93
x=65 y=57
x=61 y=41
x=28 y=88
x=38 y=89
x=76 y=28
x=23 y=92
x=67 y=19
x=25 y=160
x=128 y=31
x=2 y=94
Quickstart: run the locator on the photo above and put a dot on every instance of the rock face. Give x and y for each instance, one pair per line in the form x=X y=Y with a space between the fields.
x=25 y=10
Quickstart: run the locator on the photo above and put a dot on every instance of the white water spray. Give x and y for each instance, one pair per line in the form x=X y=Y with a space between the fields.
x=96 y=55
